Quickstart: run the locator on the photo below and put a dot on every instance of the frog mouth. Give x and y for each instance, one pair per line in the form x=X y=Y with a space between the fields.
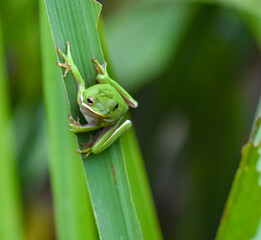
x=88 y=108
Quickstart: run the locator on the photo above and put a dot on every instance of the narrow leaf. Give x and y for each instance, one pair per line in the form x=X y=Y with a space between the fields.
x=140 y=187
x=10 y=202
x=74 y=218
x=76 y=21
x=242 y=216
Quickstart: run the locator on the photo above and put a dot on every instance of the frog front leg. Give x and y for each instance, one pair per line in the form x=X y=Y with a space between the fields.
x=76 y=127
x=70 y=66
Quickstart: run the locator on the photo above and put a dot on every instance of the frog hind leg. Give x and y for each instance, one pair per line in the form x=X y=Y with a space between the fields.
x=87 y=147
x=109 y=135
x=104 y=78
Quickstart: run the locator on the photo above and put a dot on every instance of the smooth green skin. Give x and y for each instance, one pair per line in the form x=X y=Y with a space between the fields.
x=110 y=102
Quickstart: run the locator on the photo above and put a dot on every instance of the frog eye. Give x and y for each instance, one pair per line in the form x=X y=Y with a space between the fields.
x=116 y=106
x=90 y=101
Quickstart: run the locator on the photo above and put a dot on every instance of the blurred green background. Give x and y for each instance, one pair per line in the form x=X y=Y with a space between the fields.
x=194 y=69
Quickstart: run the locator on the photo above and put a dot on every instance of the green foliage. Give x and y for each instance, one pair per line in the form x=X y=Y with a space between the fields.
x=73 y=219
x=241 y=219
x=106 y=172
x=202 y=75
x=10 y=205
x=193 y=66
x=139 y=187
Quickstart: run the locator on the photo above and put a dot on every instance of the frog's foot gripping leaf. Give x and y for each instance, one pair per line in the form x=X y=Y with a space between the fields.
x=101 y=69
x=67 y=58
x=74 y=125
x=73 y=122
x=87 y=147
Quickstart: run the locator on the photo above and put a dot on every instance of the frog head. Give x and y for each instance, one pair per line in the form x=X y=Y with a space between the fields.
x=103 y=101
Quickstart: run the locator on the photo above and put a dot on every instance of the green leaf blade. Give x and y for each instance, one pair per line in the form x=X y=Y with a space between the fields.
x=10 y=205
x=112 y=202
x=106 y=174
x=242 y=216
x=140 y=188
x=73 y=212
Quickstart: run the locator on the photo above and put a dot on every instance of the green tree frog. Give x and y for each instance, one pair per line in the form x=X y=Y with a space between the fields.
x=102 y=105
